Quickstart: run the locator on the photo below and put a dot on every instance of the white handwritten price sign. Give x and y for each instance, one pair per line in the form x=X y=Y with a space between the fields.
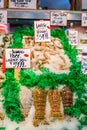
x=25 y=4
x=1 y=3
x=42 y=31
x=73 y=37
x=58 y=18
x=3 y=16
x=17 y=58
x=84 y=19
x=84 y=63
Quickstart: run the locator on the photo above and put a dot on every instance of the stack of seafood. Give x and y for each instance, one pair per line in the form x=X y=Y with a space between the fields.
x=2 y=113
x=25 y=101
x=67 y=97
x=57 y=100
x=50 y=55
x=39 y=97
x=2 y=77
x=5 y=41
x=55 y=104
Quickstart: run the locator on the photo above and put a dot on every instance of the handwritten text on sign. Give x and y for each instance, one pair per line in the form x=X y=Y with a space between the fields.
x=17 y=58
x=84 y=19
x=84 y=64
x=59 y=18
x=73 y=37
x=42 y=31
x=30 y=4
x=1 y=3
x=3 y=17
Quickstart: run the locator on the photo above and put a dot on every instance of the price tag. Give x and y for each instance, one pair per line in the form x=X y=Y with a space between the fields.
x=79 y=56
x=73 y=37
x=84 y=19
x=1 y=3
x=3 y=16
x=42 y=31
x=84 y=63
x=58 y=18
x=26 y=4
x=17 y=58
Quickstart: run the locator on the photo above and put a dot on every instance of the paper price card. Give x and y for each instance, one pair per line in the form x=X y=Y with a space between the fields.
x=1 y=3
x=84 y=19
x=73 y=37
x=17 y=58
x=84 y=64
x=42 y=31
x=27 y=4
x=3 y=17
x=58 y=18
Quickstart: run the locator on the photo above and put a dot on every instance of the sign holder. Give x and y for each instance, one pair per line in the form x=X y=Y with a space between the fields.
x=84 y=63
x=42 y=31
x=17 y=59
x=74 y=37
x=3 y=16
x=23 y=4
x=17 y=73
x=84 y=20
x=1 y=4
x=58 y=18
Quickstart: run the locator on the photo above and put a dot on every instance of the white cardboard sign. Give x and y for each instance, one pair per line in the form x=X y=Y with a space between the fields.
x=17 y=58
x=84 y=19
x=26 y=4
x=3 y=17
x=1 y=3
x=42 y=31
x=84 y=64
x=73 y=37
x=58 y=18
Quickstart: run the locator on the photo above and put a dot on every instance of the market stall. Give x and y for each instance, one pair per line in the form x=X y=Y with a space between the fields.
x=43 y=68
